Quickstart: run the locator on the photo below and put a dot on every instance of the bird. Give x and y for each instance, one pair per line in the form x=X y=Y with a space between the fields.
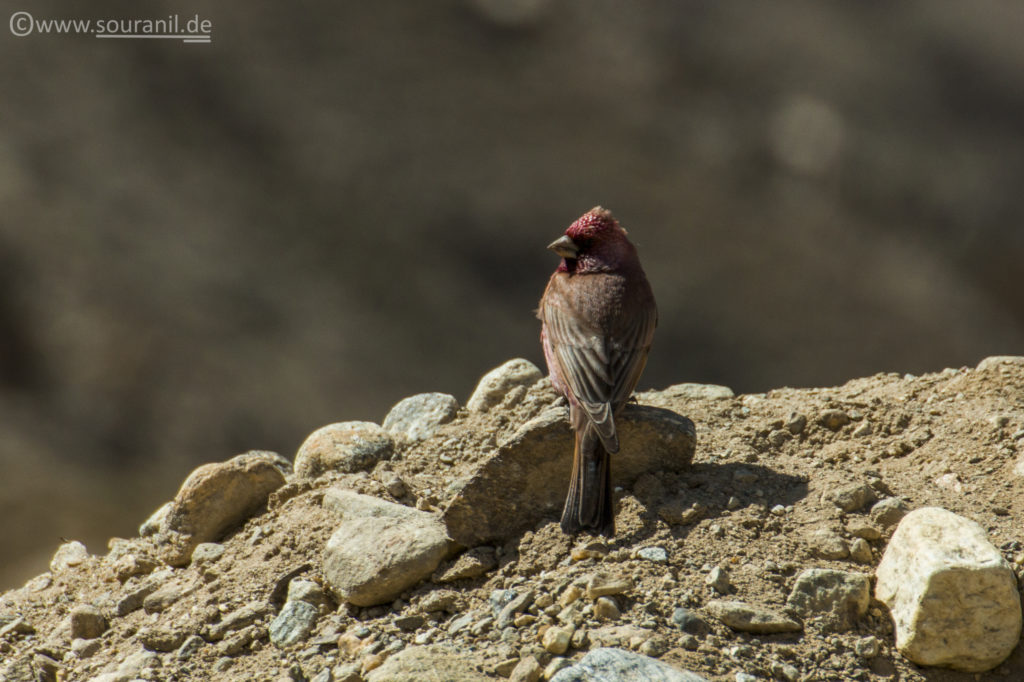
x=598 y=317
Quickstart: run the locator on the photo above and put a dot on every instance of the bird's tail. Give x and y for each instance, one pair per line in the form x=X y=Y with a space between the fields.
x=588 y=506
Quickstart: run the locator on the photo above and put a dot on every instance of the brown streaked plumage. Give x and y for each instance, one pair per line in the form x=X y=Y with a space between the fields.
x=597 y=321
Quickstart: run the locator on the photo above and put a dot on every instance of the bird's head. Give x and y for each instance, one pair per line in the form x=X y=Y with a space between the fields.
x=594 y=243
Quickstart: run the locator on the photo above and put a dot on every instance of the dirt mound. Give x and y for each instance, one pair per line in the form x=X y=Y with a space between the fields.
x=780 y=482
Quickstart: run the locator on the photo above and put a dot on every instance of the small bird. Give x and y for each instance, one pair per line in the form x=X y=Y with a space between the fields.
x=597 y=322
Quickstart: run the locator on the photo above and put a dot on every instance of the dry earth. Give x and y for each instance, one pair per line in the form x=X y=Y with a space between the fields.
x=756 y=502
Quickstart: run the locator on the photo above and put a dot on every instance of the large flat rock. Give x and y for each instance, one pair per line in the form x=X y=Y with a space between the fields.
x=525 y=480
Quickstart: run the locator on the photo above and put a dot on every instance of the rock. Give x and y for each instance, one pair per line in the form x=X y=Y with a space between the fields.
x=190 y=646
x=409 y=623
x=604 y=584
x=157 y=638
x=999 y=361
x=888 y=512
x=68 y=555
x=517 y=604
x=796 y=423
x=207 y=553
x=293 y=624
x=84 y=648
x=527 y=670
x=689 y=622
x=495 y=384
x=833 y=419
x=132 y=565
x=828 y=544
x=238 y=619
x=605 y=608
x=867 y=647
x=134 y=599
x=556 y=639
x=419 y=663
x=347 y=447
x=86 y=622
x=216 y=497
x=441 y=600
x=718 y=580
x=952 y=596
x=526 y=478
x=394 y=484
x=860 y=551
x=157 y=521
x=472 y=564
x=619 y=665
x=697 y=392
x=750 y=618
x=372 y=560
x=160 y=599
x=852 y=498
x=837 y=599
x=655 y=554
x=418 y=417
x=352 y=505
x=861 y=528
x=305 y=590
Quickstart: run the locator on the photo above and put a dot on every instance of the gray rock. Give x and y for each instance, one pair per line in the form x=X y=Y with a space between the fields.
x=68 y=555
x=655 y=554
x=207 y=553
x=347 y=447
x=86 y=622
x=860 y=551
x=718 y=579
x=215 y=498
x=419 y=416
x=888 y=512
x=442 y=600
x=352 y=505
x=689 y=622
x=953 y=597
x=853 y=497
x=190 y=646
x=619 y=665
x=517 y=604
x=751 y=618
x=526 y=478
x=165 y=596
x=836 y=599
x=134 y=598
x=419 y=663
x=239 y=618
x=372 y=560
x=495 y=384
x=293 y=624
x=867 y=647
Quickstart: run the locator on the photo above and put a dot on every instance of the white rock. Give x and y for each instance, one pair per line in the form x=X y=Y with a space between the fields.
x=419 y=416
x=495 y=384
x=372 y=560
x=952 y=596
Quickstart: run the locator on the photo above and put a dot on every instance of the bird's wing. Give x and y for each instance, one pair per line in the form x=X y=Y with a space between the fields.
x=628 y=348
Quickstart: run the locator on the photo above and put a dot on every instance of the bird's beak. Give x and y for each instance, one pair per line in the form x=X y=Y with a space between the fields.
x=564 y=247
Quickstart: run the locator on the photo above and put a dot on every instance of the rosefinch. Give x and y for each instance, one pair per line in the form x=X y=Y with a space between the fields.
x=597 y=321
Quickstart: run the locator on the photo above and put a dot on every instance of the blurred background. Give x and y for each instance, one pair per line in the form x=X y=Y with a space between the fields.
x=206 y=249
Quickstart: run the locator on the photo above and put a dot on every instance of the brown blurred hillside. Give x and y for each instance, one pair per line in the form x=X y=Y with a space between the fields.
x=211 y=248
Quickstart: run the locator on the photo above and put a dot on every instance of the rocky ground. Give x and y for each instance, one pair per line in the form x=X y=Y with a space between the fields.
x=428 y=547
